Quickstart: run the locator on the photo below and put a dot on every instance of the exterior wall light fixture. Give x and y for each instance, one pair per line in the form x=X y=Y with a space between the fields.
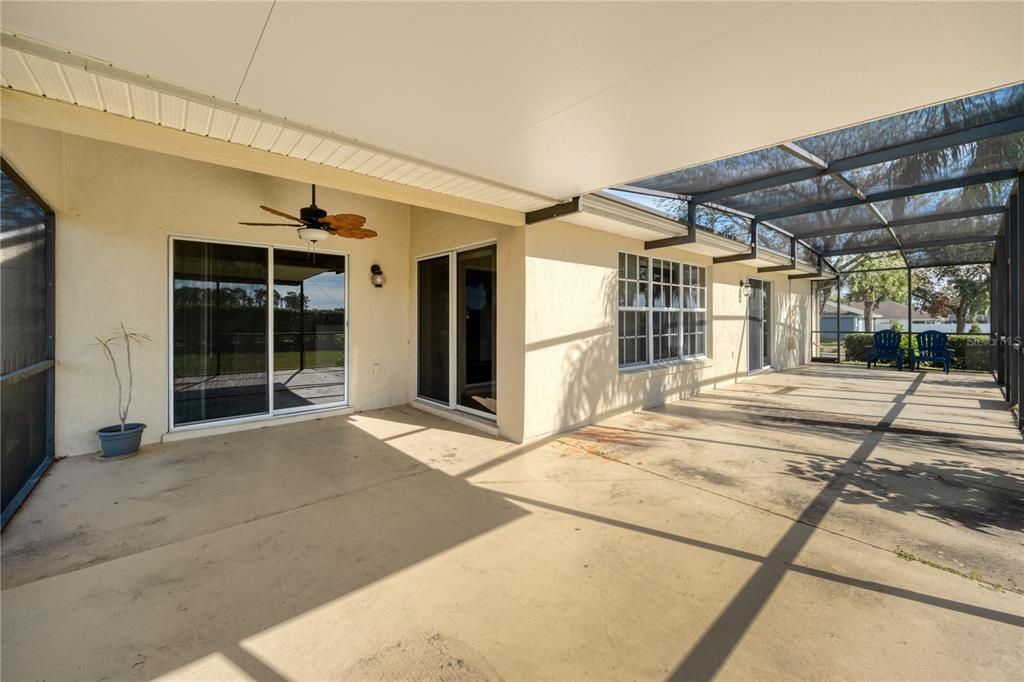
x=745 y=287
x=377 y=276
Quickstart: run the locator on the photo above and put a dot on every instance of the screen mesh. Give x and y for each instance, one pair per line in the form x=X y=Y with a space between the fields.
x=786 y=184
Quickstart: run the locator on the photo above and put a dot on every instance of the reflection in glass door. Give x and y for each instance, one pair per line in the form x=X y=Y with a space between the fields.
x=460 y=375
x=433 y=302
x=755 y=326
x=477 y=282
x=220 y=331
x=309 y=329
x=225 y=328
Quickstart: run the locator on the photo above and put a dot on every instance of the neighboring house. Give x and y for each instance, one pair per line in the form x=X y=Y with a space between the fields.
x=851 y=320
x=891 y=311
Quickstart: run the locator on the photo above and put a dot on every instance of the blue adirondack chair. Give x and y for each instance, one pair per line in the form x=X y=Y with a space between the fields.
x=886 y=346
x=932 y=346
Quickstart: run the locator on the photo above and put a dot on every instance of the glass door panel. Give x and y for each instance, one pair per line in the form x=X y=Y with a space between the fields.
x=220 y=331
x=433 y=301
x=309 y=329
x=766 y=324
x=755 y=327
x=476 y=273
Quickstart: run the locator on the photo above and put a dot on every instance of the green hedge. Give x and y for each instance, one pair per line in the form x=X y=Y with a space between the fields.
x=969 y=352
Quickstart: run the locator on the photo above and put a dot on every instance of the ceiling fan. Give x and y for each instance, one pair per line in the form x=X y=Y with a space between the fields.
x=314 y=223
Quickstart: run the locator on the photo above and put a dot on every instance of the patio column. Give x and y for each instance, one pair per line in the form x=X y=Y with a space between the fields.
x=910 y=307
x=839 y=298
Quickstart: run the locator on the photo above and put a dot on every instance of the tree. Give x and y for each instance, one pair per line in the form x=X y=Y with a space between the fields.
x=960 y=290
x=871 y=288
x=293 y=301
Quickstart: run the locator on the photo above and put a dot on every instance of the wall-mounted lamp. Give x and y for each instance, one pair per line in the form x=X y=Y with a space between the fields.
x=745 y=287
x=377 y=276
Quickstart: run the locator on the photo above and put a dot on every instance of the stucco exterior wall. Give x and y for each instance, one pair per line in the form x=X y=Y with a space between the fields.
x=434 y=232
x=557 y=359
x=571 y=358
x=116 y=209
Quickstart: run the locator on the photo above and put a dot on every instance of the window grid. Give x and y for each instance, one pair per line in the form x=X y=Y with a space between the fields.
x=662 y=310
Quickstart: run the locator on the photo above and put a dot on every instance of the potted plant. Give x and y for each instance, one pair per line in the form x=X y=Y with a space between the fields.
x=124 y=438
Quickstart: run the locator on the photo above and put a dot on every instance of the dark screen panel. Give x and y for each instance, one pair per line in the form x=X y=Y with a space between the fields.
x=433 y=300
x=22 y=278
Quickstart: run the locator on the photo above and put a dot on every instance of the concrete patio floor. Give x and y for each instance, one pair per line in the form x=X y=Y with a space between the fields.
x=826 y=522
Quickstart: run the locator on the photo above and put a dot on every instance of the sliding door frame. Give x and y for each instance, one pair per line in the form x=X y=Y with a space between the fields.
x=767 y=333
x=453 y=327
x=271 y=413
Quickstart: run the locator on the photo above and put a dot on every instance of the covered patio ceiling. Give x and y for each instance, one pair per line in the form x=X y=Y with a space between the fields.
x=931 y=185
x=515 y=104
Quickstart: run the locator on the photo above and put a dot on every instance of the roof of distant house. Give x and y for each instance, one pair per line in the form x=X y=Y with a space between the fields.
x=845 y=310
x=886 y=310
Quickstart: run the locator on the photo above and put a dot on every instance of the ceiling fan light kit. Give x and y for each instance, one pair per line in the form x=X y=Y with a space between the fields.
x=312 y=234
x=313 y=223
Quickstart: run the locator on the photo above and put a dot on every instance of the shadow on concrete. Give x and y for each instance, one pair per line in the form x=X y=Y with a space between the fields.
x=956 y=492
x=213 y=545
x=708 y=655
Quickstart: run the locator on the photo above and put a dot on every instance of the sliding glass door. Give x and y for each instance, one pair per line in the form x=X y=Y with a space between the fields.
x=238 y=352
x=766 y=325
x=309 y=330
x=759 y=310
x=477 y=284
x=433 y=302
x=220 y=331
x=462 y=374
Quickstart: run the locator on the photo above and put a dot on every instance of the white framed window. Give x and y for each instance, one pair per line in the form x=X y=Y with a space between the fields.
x=662 y=310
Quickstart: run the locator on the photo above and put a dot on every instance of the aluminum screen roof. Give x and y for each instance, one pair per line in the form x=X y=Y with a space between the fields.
x=931 y=185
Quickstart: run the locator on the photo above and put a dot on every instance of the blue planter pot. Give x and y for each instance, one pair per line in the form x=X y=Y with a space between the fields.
x=116 y=442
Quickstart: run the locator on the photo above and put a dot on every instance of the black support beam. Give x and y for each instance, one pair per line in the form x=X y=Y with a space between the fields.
x=750 y=255
x=982 y=132
x=689 y=238
x=952 y=241
x=928 y=188
x=574 y=205
x=812 y=275
x=905 y=222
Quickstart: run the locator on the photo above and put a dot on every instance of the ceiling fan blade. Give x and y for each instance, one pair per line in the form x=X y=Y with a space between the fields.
x=272 y=224
x=355 y=233
x=280 y=213
x=344 y=220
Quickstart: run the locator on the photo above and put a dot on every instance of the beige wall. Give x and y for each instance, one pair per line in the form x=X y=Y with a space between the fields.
x=434 y=232
x=572 y=374
x=557 y=368
x=116 y=209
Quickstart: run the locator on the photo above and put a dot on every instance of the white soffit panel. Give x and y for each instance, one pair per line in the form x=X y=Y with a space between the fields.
x=556 y=98
x=204 y=45
x=48 y=72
